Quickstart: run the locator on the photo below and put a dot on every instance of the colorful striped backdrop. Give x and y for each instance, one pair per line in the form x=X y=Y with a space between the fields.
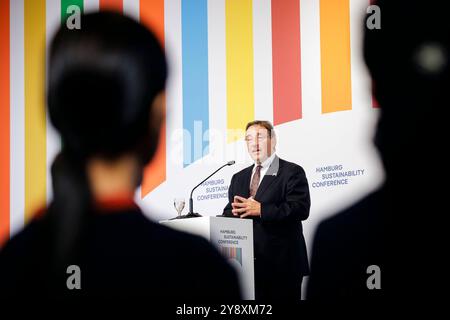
x=260 y=57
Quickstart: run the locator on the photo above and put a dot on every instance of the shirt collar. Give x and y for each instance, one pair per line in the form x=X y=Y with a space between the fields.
x=266 y=163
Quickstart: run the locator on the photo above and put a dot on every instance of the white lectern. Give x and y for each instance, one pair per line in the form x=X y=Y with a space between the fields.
x=232 y=237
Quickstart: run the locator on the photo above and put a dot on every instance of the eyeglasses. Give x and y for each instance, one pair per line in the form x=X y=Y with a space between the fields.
x=259 y=138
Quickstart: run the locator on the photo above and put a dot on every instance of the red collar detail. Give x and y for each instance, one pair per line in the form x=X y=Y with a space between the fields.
x=118 y=202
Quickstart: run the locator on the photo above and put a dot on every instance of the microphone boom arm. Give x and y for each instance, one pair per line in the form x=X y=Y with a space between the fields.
x=191 y=201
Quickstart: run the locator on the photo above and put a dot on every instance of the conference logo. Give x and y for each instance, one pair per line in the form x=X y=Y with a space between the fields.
x=232 y=254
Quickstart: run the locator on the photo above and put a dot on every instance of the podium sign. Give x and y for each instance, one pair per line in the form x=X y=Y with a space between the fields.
x=232 y=237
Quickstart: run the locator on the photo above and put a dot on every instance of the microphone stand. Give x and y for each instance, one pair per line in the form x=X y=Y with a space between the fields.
x=191 y=213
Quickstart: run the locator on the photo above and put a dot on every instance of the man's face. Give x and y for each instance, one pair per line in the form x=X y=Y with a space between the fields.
x=259 y=144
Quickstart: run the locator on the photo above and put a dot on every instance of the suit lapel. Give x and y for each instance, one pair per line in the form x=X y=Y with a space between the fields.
x=244 y=186
x=270 y=176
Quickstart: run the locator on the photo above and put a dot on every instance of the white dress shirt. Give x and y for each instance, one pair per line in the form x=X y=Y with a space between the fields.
x=264 y=167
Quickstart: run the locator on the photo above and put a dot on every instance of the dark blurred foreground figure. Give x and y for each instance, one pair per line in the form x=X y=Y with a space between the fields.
x=105 y=97
x=398 y=228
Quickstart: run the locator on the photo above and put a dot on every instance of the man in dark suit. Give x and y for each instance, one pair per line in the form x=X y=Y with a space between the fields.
x=275 y=194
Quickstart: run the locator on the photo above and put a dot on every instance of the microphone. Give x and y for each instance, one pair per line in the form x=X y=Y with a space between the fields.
x=191 y=213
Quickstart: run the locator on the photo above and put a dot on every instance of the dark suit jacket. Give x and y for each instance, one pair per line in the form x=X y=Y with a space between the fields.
x=281 y=259
x=124 y=255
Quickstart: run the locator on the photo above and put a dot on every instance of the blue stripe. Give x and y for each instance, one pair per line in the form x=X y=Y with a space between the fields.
x=194 y=26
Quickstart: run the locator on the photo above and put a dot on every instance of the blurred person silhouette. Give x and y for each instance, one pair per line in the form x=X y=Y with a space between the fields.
x=398 y=228
x=106 y=99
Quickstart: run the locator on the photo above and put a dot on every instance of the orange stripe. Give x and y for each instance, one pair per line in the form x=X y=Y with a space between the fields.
x=335 y=55
x=4 y=122
x=111 y=5
x=152 y=15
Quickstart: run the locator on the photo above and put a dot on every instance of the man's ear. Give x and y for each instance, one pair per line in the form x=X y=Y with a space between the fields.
x=273 y=142
x=158 y=110
x=148 y=145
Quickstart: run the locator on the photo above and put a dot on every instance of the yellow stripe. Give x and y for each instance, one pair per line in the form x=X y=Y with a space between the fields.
x=35 y=128
x=239 y=42
x=335 y=55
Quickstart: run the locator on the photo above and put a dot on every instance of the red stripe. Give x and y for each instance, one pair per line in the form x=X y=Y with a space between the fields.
x=111 y=5
x=287 y=100
x=374 y=100
x=4 y=122
x=375 y=103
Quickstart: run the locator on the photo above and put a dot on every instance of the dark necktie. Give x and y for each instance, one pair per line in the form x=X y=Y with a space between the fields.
x=255 y=181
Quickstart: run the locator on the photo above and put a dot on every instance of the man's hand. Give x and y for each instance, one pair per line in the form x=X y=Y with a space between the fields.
x=246 y=207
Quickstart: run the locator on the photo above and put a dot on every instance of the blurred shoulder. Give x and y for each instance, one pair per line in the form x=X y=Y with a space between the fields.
x=357 y=225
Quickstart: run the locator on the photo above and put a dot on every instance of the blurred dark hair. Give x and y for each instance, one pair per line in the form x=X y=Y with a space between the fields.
x=103 y=80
